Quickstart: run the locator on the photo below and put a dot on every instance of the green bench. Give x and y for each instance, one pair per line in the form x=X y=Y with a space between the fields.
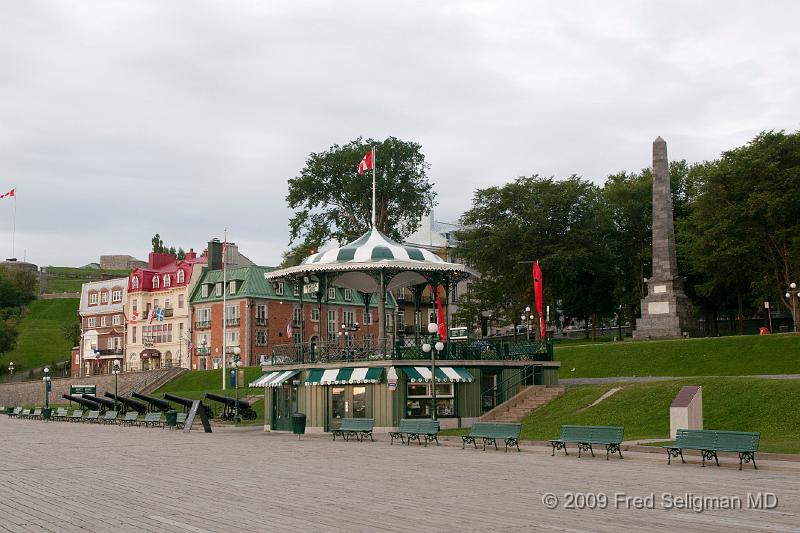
x=490 y=432
x=711 y=441
x=416 y=429
x=76 y=416
x=585 y=436
x=36 y=414
x=15 y=413
x=25 y=413
x=131 y=418
x=180 y=420
x=92 y=417
x=152 y=419
x=355 y=427
x=109 y=417
x=59 y=414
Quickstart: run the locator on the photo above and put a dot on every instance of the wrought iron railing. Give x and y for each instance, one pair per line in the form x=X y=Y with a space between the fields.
x=232 y=321
x=407 y=349
x=202 y=324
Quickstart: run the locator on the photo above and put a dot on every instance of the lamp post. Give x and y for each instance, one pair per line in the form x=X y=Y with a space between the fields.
x=237 y=363
x=46 y=380
x=433 y=328
x=203 y=350
x=115 y=371
x=527 y=318
x=11 y=369
x=793 y=295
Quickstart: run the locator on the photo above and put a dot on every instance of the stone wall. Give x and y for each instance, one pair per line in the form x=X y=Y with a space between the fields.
x=32 y=392
x=60 y=296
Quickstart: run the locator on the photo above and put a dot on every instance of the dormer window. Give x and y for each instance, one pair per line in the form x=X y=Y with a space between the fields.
x=92 y=298
x=232 y=287
x=279 y=288
x=204 y=290
x=166 y=280
x=295 y=290
x=218 y=289
x=116 y=296
x=348 y=295
x=155 y=281
x=104 y=297
x=180 y=275
x=135 y=282
x=331 y=293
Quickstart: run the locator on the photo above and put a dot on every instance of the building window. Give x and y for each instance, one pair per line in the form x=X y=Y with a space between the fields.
x=418 y=403
x=91 y=322
x=401 y=320
x=166 y=280
x=92 y=298
x=348 y=295
x=181 y=276
x=233 y=337
x=204 y=290
x=155 y=281
x=331 y=293
x=261 y=315
x=295 y=289
x=116 y=320
x=279 y=288
x=103 y=321
x=232 y=287
x=314 y=314
x=135 y=282
x=297 y=315
x=166 y=303
x=180 y=301
x=232 y=315
x=261 y=337
x=104 y=297
x=116 y=296
x=133 y=335
x=367 y=317
x=135 y=305
x=348 y=317
x=389 y=321
x=204 y=317
x=332 y=328
x=218 y=289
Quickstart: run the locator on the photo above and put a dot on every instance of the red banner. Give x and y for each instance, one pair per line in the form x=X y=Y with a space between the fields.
x=537 y=291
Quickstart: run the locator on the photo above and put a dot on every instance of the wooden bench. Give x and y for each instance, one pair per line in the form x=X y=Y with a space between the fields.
x=585 y=436
x=152 y=419
x=110 y=417
x=76 y=416
x=36 y=414
x=416 y=429
x=711 y=441
x=490 y=432
x=92 y=417
x=355 y=427
x=15 y=413
x=131 y=418
x=25 y=413
x=59 y=414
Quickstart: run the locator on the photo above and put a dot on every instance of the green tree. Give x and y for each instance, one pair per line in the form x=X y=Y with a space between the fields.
x=158 y=244
x=181 y=255
x=72 y=332
x=332 y=201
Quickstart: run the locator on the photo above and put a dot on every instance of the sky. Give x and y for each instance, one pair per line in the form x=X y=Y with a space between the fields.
x=122 y=119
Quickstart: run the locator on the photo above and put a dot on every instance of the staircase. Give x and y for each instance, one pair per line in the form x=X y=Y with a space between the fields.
x=149 y=381
x=523 y=403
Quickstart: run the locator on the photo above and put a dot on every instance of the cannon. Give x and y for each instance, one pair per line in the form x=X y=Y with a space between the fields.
x=187 y=404
x=105 y=402
x=246 y=411
x=136 y=405
x=83 y=402
x=156 y=404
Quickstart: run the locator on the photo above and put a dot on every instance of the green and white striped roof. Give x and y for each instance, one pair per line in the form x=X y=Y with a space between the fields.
x=444 y=374
x=344 y=376
x=370 y=247
x=274 y=379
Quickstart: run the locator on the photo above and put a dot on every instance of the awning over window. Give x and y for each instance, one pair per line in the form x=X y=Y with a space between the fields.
x=274 y=379
x=344 y=376
x=422 y=374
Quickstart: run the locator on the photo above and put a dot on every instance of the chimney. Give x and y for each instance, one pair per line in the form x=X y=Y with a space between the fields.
x=191 y=255
x=157 y=260
x=214 y=254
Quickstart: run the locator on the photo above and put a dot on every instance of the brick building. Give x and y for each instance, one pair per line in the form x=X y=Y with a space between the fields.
x=103 y=323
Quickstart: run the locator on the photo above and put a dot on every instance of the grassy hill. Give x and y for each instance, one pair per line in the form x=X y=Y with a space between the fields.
x=40 y=339
x=68 y=279
x=722 y=356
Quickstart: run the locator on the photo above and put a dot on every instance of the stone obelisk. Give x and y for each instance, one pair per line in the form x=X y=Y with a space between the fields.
x=666 y=311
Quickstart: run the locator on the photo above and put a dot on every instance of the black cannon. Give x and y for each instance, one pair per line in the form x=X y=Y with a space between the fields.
x=187 y=404
x=105 y=402
x=246 y=411
x=136 y=405
x=83 y=402
x=155 y=403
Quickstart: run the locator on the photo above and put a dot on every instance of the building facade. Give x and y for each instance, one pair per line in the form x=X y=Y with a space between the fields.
x=259 y=314
x=103 y=327
x=159 y=312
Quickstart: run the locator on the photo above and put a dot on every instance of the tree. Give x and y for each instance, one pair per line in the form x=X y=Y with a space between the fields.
x=72 y=332
x=332 y=201
x=158 y=244
x=181 y=254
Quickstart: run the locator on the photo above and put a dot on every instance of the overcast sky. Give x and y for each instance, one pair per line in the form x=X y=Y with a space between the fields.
x=122 y=119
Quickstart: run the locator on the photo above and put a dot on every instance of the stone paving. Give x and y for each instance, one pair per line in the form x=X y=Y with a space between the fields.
x=65 y=477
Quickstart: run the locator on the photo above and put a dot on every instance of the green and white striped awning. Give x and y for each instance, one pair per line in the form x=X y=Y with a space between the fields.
x=344 y=376
x=274 y=379
x=422 y=374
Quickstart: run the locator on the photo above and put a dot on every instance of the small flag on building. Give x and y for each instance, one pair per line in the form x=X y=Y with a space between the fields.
x=159 y=314
x=289 y=329
x=134 y=317
x=11 y=193
x=366 y=164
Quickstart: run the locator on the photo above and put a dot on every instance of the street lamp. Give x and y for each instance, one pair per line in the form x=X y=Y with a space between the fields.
x=115 y=371
x=237 y=363
x=11 y=367
x=433 y=328
x=528 y=319
x=794 y=296
x=46 y=380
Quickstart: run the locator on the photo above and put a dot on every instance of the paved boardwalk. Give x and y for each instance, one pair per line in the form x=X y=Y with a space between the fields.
x=75 y=477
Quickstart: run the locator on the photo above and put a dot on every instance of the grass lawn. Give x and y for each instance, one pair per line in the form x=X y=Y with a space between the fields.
x=68 y=279
x=41 y=341
x=740 y=404
x=721 y=356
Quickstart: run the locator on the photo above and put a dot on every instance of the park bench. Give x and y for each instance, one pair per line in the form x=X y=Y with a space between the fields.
x=131 y=418
x=152 y=420
x=490 y=432
x=76 y=416
x=15 y=413
x=36 y=414
x=92 y=417
x=355 y=427
x=25 y=413
x=710 y=441
x=59 y=414
x=180 y=420
x=109 y=417
x=416 y=429
x=586 y=436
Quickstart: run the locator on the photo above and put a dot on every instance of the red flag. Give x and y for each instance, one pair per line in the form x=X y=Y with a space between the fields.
x=289 y=328
x=537 y=290
x=134 y=318
x=441 y=320
x=12 y=192
x=366 y=163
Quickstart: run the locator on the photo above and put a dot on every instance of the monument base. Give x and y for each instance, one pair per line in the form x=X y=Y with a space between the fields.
x=666 y=312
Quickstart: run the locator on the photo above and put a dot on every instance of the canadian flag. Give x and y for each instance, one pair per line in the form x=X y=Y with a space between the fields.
x=12 y=192
x=134 y=317
x=366 y=164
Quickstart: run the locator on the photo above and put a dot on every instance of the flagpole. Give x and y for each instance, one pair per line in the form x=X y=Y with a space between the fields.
x=14 y=224
x=224 y=301
x=373 y=186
